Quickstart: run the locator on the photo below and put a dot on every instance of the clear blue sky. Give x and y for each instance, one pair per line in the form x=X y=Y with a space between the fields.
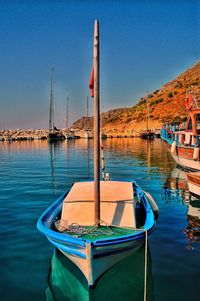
x=144 y=44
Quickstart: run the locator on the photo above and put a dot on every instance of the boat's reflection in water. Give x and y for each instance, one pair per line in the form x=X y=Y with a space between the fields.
x=176 y=191
x=193 y=228
x=176 y=188
x=124 y=281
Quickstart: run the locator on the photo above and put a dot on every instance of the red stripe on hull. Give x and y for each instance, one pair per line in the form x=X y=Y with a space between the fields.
x=184 y=152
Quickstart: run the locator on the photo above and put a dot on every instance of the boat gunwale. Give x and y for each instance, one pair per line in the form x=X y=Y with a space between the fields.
x=46 y=219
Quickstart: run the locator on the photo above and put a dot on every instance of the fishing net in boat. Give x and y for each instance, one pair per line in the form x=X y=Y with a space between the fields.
x=94 y=231
x=78 y=230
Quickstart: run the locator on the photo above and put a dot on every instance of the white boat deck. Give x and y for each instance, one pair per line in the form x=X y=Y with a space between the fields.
x=116 y=205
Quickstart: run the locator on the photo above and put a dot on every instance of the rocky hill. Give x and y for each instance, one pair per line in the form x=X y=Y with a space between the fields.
x=165 y=105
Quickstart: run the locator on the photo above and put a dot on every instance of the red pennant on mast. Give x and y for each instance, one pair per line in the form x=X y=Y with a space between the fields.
x=91 y=82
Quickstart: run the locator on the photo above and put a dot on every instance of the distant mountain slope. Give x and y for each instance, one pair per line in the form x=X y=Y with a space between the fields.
x=165 y=105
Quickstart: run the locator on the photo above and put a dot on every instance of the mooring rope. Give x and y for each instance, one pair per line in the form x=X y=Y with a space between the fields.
x=94 y=231
x=77 y=230
x=145 y=265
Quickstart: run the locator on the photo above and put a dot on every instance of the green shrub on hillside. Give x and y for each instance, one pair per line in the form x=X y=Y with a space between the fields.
x=170 y=94
x=140 y=108
x=114 y=118
x=142 y=101
x=154 y=102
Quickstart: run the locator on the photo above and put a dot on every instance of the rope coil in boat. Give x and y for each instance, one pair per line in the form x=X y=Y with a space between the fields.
x=78 y=230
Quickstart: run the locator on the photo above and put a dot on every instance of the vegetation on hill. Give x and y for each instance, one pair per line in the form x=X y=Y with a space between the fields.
x=166 y=105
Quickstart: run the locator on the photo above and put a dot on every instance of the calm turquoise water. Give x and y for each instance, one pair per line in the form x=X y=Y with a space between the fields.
x=34 y=173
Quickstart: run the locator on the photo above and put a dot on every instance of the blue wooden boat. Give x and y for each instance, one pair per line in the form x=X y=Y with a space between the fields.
x=124 y=226
x=96 y=224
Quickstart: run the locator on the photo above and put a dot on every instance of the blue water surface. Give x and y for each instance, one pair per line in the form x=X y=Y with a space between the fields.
x=34 y=173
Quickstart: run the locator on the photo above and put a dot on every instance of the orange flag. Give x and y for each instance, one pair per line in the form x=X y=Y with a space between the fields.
x=91 y=82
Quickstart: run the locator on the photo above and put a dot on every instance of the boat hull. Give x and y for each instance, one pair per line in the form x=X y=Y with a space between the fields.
x=186 y=163
x=55 y=136
x=183 y=156
x=95 y=264
x=94 y=257
x=147 y=135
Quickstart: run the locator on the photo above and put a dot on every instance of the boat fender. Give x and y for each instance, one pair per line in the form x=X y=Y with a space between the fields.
x=173 y=148
x=196 y=153
x=153 y=204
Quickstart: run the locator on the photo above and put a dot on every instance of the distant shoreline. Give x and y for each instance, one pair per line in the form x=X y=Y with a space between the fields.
x=42 y=134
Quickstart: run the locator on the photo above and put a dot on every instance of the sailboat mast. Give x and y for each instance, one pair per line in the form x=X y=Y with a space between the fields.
x=87 y=113
x=147 y=104
x=51 y=115
x=67 y=113
x=96 y=125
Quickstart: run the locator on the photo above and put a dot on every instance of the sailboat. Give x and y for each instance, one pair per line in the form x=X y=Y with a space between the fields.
x=54 y=133
x=148 y=134
x=97 y=223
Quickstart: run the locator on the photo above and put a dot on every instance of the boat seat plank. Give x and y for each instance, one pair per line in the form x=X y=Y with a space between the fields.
x=116 y=205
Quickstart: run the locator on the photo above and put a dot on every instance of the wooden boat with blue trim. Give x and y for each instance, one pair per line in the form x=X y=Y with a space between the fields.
x=126 y=218
x=184 y=144
x=98 y=223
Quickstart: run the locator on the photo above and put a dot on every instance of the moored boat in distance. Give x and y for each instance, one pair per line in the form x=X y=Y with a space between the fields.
x=147 y=134
x=54 y=132
x=184 y=144
x=157 y=133
x=97 y=223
